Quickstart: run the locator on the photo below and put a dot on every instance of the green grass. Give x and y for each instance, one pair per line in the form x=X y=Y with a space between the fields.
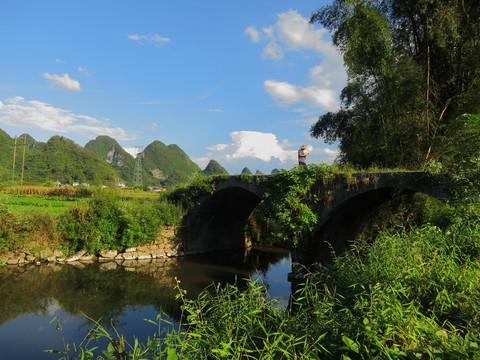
x=56 y=205
x=26 y=204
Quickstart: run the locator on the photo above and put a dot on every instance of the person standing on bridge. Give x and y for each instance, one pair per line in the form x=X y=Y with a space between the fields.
x=302 y=156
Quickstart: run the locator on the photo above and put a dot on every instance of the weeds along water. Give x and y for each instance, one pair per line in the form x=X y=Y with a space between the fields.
x=412 y=293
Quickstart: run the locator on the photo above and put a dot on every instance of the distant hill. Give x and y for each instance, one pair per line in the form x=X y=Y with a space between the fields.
x=168 y=164
x=214 y=168
x=6 y=154
x=102 y=160
x=109 y=150
x=247 y=171
x=7 y=145
x=63 y=160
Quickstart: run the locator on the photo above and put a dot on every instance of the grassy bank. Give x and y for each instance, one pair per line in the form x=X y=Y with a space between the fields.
x=81 y=219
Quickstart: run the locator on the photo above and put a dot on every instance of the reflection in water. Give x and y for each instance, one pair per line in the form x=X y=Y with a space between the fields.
x=116 y=294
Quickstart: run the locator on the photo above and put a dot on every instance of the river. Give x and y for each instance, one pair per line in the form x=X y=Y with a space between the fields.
x=118 y=295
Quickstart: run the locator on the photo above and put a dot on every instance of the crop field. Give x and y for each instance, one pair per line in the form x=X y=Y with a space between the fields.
x=21 y=203
x=24 y=204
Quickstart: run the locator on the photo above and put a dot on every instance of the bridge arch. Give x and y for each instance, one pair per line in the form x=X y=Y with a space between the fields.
x=341 y=219
x=218 y=223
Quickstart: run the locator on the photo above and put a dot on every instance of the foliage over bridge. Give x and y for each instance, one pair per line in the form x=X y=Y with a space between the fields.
x=346 y=201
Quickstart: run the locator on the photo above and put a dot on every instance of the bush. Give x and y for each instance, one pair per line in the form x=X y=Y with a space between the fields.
x=107 y=222
x=11 y=230
x=169 y=214
x=97 y=226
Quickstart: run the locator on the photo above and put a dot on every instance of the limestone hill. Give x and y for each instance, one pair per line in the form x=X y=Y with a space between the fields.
x=214 y=168
x=168 y=164
x=102 y=161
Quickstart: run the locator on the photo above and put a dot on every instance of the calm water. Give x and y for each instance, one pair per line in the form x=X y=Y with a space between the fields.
x=119 y=294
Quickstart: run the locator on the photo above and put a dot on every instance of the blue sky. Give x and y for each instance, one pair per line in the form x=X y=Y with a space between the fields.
x=240 y=82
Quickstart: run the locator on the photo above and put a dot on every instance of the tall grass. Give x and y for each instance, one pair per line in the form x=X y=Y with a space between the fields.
x=413 y=293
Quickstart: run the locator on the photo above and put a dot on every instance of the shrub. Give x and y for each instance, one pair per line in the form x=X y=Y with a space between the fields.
x=11 y=230
x=107 y=222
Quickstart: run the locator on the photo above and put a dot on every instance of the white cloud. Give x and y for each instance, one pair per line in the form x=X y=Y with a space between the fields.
x=218 y=147
x=215 y=110
x=254 y=34
x=60 y=61
x=250 y=146
x=268 y=31
x=325 y=155
x=19 y=112
x=63 y=82
x=331 y=152
x=253 y=145
x=132 y=151
x=318 y=75
x=297 y=33
x=84 y=71
x=156 y=40
x=293 y=32
x=89 y=119
x=202 y=162
x=287 y=94
x=273 y=51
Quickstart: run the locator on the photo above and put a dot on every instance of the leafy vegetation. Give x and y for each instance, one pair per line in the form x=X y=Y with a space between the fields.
x=412 y=74
x=109 y=223
x=412 y=293
x=27 y=204
x=109 y=219
x=292 y=198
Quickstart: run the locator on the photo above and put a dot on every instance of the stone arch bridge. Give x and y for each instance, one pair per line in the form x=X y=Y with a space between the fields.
x=218 y=222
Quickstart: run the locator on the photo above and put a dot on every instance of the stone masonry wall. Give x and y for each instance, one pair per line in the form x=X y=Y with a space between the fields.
x=165 y=246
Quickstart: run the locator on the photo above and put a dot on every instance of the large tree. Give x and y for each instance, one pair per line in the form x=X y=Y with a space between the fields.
x=412 y=71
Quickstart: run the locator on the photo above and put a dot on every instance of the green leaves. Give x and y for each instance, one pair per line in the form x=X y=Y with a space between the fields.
x=294 y=201
x=413 y=71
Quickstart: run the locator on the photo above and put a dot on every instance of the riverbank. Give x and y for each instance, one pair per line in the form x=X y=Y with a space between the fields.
x=105 y=226
x=167 y=245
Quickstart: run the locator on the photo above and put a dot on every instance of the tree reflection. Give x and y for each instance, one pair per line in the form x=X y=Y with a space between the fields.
x=105 y=292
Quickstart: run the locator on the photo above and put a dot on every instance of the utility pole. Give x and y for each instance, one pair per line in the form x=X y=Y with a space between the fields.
x=14 y=153
x=23 y=157
x=137 y=174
